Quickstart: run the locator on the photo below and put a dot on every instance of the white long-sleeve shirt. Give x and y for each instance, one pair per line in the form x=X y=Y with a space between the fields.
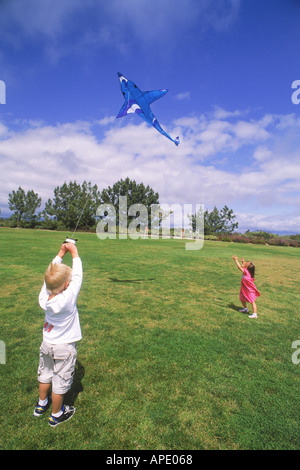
x=61 y=315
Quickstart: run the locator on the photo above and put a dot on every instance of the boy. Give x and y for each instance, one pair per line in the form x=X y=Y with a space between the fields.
x=61 y=331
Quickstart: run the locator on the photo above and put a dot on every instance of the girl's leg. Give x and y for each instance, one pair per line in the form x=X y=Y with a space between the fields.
x=245 y=309
x=254 y=308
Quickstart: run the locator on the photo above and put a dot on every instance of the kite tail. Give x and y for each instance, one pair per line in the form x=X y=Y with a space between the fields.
x=157 y=126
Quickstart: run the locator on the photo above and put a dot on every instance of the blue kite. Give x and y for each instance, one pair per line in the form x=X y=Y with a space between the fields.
x=137 y=101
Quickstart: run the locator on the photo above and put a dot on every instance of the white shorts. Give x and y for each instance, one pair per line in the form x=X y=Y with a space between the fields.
x=57 y=366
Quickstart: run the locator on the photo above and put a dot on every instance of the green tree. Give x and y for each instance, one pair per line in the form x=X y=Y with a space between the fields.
x=24 y=206
x=137 y=193
x=72 y=202
x=217 y=221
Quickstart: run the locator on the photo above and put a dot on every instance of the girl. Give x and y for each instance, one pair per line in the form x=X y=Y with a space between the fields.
x=249 y=291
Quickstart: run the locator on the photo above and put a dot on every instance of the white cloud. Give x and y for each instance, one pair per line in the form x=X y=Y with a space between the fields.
x=250 y=131
x=262 y=153
x=3 y=130
x=221 y=113
x=282 y=222
x=205 y=168
x=185 y=95
x=116 y=22
x=34 y=18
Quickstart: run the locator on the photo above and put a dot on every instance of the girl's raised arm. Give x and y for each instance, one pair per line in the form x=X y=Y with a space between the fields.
x=237 y=263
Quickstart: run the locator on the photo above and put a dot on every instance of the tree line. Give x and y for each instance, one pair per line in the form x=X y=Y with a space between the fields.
x=72 y=201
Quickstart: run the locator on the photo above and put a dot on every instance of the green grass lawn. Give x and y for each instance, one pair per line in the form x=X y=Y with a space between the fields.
x=166 y=361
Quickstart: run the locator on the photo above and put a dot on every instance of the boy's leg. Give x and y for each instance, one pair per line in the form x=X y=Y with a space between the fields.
x=64 y=367
x=45 y=378
x=57 y=402
x=44 y=400
x=61 y=412
x=44 y=390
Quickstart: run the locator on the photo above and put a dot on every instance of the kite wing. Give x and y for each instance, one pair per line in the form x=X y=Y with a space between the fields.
x=154 y=95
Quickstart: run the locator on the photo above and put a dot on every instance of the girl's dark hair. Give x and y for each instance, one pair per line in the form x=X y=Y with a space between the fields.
x=251 y=269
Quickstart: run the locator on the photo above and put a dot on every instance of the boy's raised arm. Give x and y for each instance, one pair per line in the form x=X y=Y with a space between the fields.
x=62 y=251
x=72 y=249
x=76 y=280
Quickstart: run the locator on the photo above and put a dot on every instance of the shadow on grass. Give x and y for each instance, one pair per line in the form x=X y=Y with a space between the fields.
x=234 y=307
x=114 y=279
x=72 y=394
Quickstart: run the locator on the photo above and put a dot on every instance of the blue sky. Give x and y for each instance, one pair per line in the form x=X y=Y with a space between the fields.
x=229 y=66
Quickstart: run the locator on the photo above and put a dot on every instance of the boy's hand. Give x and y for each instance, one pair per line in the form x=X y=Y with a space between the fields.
x=72 y=249
x=62 y=251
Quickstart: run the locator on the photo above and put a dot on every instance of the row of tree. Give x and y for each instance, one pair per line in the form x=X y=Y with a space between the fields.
x=73 y=201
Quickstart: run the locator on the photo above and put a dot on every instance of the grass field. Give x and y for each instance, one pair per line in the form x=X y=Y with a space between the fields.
x=166 y=360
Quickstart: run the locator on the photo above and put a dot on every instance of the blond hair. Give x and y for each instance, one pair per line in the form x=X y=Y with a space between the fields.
x=56 y=276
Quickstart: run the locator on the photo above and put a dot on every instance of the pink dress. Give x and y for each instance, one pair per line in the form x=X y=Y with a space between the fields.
x=249 y=291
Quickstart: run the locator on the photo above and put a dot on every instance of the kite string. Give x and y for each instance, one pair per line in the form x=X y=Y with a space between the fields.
x=80 y=217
